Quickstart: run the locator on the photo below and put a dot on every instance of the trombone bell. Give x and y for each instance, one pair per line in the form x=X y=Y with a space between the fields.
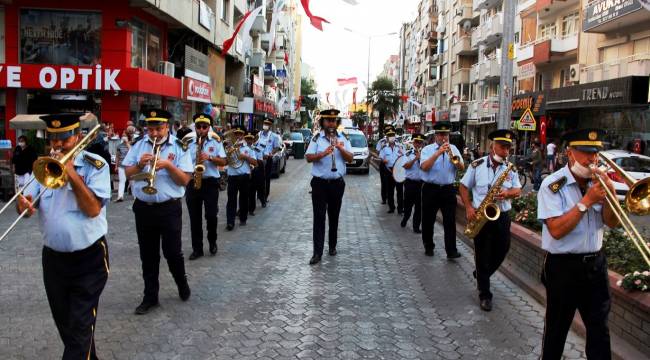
x=50 y=172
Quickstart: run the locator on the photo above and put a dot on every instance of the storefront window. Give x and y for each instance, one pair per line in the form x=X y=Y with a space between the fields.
x=146 y=45
x=139 y=103
x=60 y=37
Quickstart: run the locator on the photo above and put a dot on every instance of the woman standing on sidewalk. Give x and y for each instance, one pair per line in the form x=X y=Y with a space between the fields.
x=122 y=150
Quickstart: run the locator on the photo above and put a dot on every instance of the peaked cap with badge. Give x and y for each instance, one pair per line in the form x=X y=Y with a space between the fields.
x=586 y=140
x=157 y=116
x=442 y=127
x=202 y=118
x=417 y=137
x=61 y=126
x=503 y=136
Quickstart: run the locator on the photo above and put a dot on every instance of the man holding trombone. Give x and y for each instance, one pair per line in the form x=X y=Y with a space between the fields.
x=574 y=207
x=72 y=216
x=160 y=159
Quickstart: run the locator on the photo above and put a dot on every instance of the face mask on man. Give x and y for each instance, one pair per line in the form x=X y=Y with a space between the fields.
x=580 y=170
x=265 y=127
x=497 y=158
x=391 y=139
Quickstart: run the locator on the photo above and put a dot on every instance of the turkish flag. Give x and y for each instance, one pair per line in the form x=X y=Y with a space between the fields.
x=246 y=19
x=316 y=21
x=542 y=130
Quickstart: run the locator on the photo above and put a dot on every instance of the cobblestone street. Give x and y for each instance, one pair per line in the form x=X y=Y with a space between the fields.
x=380 y=297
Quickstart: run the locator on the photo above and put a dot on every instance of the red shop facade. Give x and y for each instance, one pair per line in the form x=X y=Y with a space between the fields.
x=75 y=55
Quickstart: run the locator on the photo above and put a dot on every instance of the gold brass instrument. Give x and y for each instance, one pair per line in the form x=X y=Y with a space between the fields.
x=638 y=198
x=232 y=146
x=455 y=159
x=150 y=176
x=199 y=169
x=488 y=210
x=50 y=173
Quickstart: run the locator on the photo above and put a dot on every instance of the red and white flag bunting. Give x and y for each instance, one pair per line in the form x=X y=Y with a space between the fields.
x=347 y=81
x=246 y=23
x=316 y=21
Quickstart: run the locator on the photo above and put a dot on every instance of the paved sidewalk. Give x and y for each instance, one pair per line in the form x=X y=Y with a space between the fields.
x=258 y=299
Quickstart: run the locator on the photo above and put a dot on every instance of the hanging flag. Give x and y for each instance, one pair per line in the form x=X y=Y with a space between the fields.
x=286 y=58
x=415 y=103
x=277 y=7
x=248 y=20
x=404 y=98
x=354 y=97
x=316 y=21
x=346 y=81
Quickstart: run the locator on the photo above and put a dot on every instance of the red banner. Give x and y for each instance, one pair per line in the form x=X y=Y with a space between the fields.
x=264 y=106
x=352 y=80
x=196 y=90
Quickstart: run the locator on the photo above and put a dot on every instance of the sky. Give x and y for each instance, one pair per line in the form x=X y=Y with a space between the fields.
x=337 y=53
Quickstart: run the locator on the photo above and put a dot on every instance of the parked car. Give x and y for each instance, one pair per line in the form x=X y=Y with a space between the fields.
x=637 y=166
x=279 y=164
x=360 y=151
x=306 y=135
x=290 y=138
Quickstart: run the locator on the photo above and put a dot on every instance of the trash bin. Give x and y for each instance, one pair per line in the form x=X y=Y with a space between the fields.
x=298 y=150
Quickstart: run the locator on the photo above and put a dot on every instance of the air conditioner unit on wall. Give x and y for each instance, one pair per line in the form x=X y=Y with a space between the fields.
x=166 y=68
x=574 y=72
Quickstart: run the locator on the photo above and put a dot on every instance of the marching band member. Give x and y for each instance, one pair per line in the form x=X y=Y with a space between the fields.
x=272 y=144
x=73 y=223
x=575 y=269
x=413 y=185
x=238 y=181
x=493 y=241
x=438 y=193
x=383 y=172
x=328 y=154
x=388 y=155
x=257 y=184
x=211 y=155
x=158 y=215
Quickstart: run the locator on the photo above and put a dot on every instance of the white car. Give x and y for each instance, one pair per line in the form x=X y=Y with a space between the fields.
x=638 y=166
x=360 y=150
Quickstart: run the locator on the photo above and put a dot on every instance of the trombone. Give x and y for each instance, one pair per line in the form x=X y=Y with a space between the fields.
x=50 y=173
x=150 y=176
x=637 y=201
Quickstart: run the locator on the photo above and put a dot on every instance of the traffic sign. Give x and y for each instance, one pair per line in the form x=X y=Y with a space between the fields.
x=527 y=121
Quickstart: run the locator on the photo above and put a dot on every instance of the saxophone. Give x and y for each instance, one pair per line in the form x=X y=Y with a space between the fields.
x=488 y=209
x=199 y=169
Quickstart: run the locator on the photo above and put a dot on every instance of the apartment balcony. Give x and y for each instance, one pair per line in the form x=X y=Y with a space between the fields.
x=525 y=52
x=463 y=46
x=485 y=4
x=628 y=15
x=488 y=107
x=491 y=31
x=635 y=65
x=434 y=59
x=463 y=13
x=460 y=76
x=554 y=49
x=474 y=73
x=552 y=8
x=476 y=37
x=431 y=84
x=525 y=4
x=490 y=70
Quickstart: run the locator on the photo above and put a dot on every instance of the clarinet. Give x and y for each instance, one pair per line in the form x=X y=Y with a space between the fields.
x=332 y=132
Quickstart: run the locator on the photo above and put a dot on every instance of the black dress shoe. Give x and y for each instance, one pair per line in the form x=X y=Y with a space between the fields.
x=229 y=227
x=383 y=202
x=417 y=231
x=184 y=291
x=314 y=260
x=145 y=307
x=264 y=203
x=332 y=252
x=242 y=223
x=195 y=255
x=391 y=211
x=428 y=252
x=400 y=212
x=474 y=274
x=486 y=305
x=213 y=249
x=403 y=223
x=455 y=255
x=251 y=213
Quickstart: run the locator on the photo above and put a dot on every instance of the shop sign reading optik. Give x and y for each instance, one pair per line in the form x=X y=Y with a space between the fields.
x=60 y=77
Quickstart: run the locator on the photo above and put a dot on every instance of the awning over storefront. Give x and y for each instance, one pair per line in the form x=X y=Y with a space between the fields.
x=622 y=92
x=33 y=122
x=535 y=101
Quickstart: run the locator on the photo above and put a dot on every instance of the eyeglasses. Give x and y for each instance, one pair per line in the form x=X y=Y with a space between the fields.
x=202 y=126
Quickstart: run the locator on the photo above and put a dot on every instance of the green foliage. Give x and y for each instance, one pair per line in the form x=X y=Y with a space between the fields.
x=622 y=256
x=524 y=211
x=360 y=118
x=384 y=99
x=636 y=281
x=308 y=87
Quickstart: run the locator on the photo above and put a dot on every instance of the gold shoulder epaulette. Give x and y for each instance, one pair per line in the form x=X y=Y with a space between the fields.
x=98 y=164
x=182 y=144
x=557 y=185
x=477 y=162
x=215 y=136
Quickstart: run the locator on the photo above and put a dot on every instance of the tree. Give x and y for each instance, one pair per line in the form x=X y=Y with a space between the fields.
x=360 y=117
x=307 y=90
x=384 y=99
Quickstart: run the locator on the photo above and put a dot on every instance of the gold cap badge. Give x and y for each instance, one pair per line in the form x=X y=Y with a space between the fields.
x=56 y=123
x=593 y=135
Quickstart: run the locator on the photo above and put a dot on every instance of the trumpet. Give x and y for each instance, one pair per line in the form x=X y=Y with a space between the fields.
x=637 y=201
x=331 y=134
x=150 y=176
x=455 y=159
x=50 y=173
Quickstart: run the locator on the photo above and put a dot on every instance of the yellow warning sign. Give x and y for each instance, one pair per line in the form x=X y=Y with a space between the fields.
x=527 y=121
x=511 y=51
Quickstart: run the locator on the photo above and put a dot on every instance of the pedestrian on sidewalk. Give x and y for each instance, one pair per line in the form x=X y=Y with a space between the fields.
x=551 y=149
x=574 y=214
x=537 y=163
x=257 y=184
x=159 y=212
x=492 y=243
x=413 y=185
x=239 y=181
x=438 y=192
x=73 y=224
x=328 y=151
x=202 y=193
x=123 y=149
x=388 y=156
x=22 y=160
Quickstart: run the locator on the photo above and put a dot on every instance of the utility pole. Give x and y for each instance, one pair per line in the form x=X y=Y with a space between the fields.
x=507 y=52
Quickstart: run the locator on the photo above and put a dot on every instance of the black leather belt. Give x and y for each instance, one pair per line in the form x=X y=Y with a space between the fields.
x=584 y=257
x=437 y=186
x=170 y=201
x=328 y=180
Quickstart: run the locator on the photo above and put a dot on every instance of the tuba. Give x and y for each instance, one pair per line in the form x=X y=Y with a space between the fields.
x=488 y=210
x=232 y=150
